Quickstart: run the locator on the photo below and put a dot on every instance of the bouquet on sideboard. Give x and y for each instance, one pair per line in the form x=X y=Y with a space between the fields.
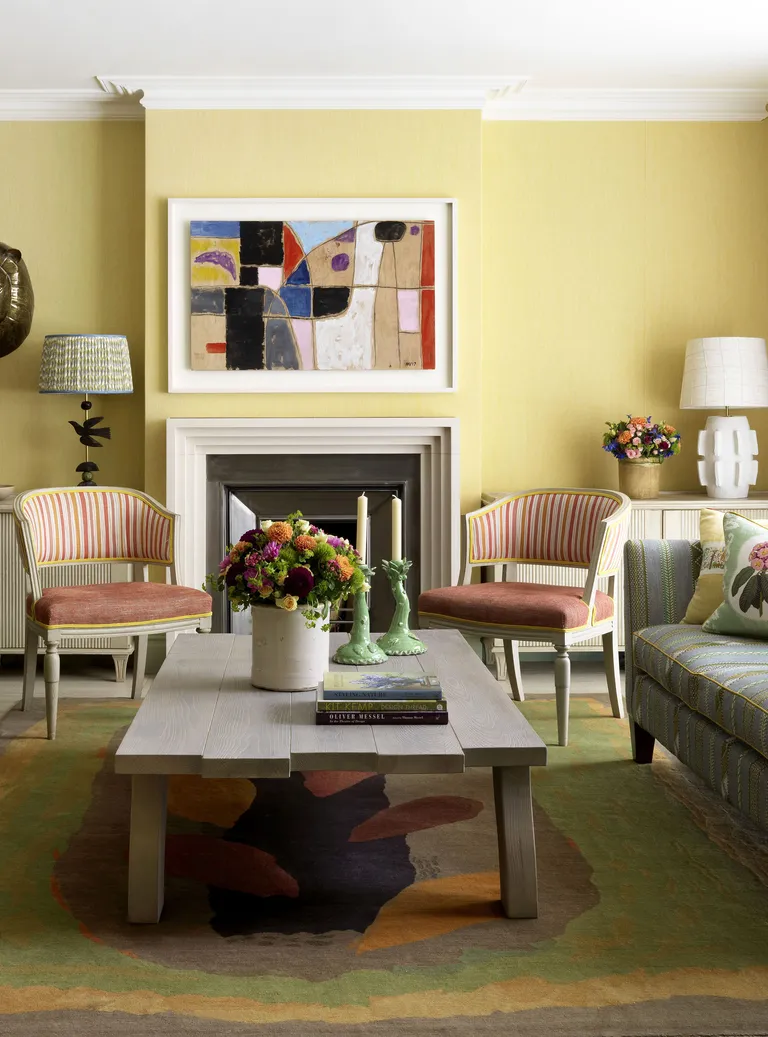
x=640 y=445
x=290 y=574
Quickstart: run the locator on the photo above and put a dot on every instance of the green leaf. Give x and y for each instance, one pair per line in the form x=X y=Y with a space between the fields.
x=745 y=599
x=741 y=578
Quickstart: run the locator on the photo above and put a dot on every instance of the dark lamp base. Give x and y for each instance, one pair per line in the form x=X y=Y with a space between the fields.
x=87 y=433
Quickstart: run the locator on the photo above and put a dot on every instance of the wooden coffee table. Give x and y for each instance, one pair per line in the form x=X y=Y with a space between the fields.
x=202 y=716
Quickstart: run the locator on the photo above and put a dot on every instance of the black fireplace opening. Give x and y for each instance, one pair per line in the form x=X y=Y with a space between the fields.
x=244 y=490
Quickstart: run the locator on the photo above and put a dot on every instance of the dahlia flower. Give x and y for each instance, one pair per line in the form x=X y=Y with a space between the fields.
x=299 y=581
x=281 y=532
x=346 y=568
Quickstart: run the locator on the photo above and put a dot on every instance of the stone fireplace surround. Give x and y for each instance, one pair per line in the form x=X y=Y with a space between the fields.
x=189 y=441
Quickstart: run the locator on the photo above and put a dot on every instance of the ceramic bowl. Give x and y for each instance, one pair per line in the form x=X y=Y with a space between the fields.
x=6 y=491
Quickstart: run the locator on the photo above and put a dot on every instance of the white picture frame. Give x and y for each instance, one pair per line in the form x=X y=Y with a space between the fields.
x=183 y=379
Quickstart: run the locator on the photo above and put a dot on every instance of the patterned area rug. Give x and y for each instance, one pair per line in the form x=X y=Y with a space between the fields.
x=356 y=904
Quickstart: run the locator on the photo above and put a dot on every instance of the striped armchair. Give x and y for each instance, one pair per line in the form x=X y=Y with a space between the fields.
x=576 y=528
x=75 y=525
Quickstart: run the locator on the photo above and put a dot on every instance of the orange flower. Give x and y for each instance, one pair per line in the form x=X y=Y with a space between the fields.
x=280 y=532
x=346 y=568
x=624 y=437
x=638 y=421
x=239 y=549
x=668 y=430
x=305 y=542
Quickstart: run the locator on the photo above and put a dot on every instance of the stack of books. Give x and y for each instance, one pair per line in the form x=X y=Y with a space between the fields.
x=380 y=697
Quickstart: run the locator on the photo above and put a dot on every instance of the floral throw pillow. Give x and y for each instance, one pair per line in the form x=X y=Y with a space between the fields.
x=709 y=586
x=745 y=581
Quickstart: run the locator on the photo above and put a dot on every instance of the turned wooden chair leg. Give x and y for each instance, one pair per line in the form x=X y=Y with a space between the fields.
x=51 y=674
x=139 y=664
x=512 y=655
x=611 y=663
x=30 y=668
x=562 y=693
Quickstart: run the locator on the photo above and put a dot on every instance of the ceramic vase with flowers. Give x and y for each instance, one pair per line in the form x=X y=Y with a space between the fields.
x=290 y=574
x=640 y=445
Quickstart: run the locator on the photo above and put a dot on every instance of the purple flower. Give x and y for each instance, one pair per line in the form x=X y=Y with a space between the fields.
x=314 y=529
x=225 y=564
x=271 y=551
x=299 y=581
x=335 y=541
x=235 y=570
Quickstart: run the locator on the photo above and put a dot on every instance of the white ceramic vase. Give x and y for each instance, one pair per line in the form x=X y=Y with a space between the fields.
x=287 y=654
x=728 y=465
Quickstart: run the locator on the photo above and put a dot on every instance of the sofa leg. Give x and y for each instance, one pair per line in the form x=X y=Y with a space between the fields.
x=642 y=743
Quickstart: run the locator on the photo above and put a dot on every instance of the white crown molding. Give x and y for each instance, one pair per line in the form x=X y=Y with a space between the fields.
x=66 y=106
x=653 y=105
x=498 y=97
x=324 y=92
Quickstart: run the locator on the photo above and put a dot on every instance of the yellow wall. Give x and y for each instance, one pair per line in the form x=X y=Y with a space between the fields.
x=606 y=247
x=315 y=154
x=71 y=198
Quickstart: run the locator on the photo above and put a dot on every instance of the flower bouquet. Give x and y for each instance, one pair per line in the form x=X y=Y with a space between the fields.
x=290 y=574
x=640 y=445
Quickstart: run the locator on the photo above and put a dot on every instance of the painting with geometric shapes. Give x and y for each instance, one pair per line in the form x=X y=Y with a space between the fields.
x=312 y=295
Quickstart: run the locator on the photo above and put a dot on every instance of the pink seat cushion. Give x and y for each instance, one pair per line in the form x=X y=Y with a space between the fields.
x=540 y=606
x=117 y=604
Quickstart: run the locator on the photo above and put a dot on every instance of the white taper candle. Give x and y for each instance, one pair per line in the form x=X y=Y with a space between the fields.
x=362 y=525
x=397 y=530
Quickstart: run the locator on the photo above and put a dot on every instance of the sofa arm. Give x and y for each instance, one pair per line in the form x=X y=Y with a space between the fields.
x=659 y=580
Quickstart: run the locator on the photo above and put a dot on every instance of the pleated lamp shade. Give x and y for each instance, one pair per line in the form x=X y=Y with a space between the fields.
x=85 y=364
x=725 y=372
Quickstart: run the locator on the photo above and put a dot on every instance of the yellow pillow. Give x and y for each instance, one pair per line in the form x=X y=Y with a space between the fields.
x=709 y=587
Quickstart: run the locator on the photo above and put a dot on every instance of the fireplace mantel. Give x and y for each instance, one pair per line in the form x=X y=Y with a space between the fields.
x=189 y=441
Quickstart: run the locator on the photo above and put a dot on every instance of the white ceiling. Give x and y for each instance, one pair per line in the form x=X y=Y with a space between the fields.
x=64 y=44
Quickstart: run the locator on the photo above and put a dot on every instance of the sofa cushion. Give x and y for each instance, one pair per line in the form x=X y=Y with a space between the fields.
x=722 y=678
x=117 y=604
x=537 y=606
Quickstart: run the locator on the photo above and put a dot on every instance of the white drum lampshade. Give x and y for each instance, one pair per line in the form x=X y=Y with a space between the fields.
x=729 y=373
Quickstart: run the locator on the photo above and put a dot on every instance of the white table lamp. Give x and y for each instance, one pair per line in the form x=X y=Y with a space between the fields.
x=729 y=373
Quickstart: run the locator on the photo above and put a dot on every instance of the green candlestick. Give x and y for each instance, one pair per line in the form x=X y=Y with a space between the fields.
x=398 y=640
x=360 y=650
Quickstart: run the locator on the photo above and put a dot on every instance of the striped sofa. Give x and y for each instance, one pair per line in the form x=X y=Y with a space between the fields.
x=703 y=696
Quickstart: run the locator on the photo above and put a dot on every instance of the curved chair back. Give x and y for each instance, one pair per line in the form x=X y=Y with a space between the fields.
x=71 y=525
x=584 y=529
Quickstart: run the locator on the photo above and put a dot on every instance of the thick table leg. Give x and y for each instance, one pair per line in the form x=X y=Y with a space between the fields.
x=146 y=858
x=517 y=847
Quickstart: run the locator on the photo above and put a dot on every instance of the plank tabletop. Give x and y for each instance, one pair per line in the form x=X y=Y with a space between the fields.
x=202 y=716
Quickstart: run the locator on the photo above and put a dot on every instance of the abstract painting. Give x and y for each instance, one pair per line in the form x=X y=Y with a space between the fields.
x=312 y=295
